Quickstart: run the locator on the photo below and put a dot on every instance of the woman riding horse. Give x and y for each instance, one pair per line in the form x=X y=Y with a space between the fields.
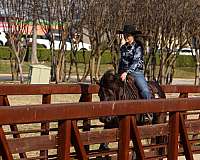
x=132 y=62
x=132 y=83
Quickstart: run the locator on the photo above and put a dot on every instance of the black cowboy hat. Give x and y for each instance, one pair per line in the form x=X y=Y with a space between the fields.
x=129 y=29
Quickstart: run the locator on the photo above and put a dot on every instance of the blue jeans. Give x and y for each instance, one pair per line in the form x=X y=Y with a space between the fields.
x=141 y=84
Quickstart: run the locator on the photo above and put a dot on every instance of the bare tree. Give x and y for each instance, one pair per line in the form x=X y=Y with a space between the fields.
x=48 y=23
x=163 y=23
x=33 y=7
x=193 y=35
x=168 y=25
x=102 y=19
x=55 y=17
x=15 y=27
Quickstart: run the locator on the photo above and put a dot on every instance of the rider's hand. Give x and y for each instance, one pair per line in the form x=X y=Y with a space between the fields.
x=123 y=41
x=123 y=76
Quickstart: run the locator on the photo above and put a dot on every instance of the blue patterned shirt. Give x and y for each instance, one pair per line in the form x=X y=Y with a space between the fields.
x=132 y=58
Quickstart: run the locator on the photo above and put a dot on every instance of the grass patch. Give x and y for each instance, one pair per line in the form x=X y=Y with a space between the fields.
x=185 y=72
x=6 y=69
x=180 y=72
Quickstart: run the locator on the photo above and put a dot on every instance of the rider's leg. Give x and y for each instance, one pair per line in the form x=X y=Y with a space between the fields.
x=141 y=84
x=144 y=90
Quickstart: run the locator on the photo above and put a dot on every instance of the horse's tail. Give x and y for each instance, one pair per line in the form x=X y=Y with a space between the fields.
x=158 y=89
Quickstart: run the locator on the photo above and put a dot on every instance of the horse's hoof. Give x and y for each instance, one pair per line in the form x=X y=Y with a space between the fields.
x=134 y=156
x=149 y=117
x=103 y=158
x=104 y=147
x=146 y=118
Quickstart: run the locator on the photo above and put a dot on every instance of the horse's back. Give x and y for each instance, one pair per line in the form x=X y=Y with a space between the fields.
x=155 y=88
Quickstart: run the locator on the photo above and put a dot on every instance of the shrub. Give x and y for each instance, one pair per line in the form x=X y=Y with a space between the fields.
x=4 y=53
x=181 y=61
x=45 y=55
x=185 y=61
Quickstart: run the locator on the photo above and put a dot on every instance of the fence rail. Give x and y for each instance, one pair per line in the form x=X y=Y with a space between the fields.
x=181 y=133
x=72 y=111
x=24 y=89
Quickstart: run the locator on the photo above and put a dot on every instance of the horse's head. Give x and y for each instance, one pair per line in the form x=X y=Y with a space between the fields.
x=108 y=86
x=113 y=88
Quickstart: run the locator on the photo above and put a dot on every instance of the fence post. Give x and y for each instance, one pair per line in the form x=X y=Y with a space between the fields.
x=172 y=151
x=124 y=138
x=46 y=99
x=135 y=137
x=86 y=97
x=64 y=139
x=184 y=139
x=5 y=102
x=76 y=141
x=4 y=148
x=13 y=127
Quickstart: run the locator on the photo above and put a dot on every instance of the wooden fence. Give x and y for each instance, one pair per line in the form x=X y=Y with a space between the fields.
x=60 y=127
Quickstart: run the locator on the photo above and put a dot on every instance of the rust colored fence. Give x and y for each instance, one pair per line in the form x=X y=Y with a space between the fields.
x=60 y=127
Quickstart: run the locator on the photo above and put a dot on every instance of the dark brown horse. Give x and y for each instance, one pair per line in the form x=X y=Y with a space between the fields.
x=112 y=88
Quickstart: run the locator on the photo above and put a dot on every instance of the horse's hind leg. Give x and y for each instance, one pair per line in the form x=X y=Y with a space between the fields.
x=161 y=118
x=158 y=117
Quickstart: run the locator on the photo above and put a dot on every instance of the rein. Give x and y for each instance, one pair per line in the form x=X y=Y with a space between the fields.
x=129 y=90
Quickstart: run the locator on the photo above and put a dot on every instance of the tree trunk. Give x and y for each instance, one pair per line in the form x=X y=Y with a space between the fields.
x=53 y=63
x=60 y=65
x=161 y=75
x=76 y=66
x=21 y=73
x=170 y=69
x=59 y=71
x=85 y=65
x=98 y=67
x=197 y=71
x=197 y=74
x=70 y=66
x=19 y=66
x=92 y=73
x=34 y=59
x=62 y=75
x=12 y=67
